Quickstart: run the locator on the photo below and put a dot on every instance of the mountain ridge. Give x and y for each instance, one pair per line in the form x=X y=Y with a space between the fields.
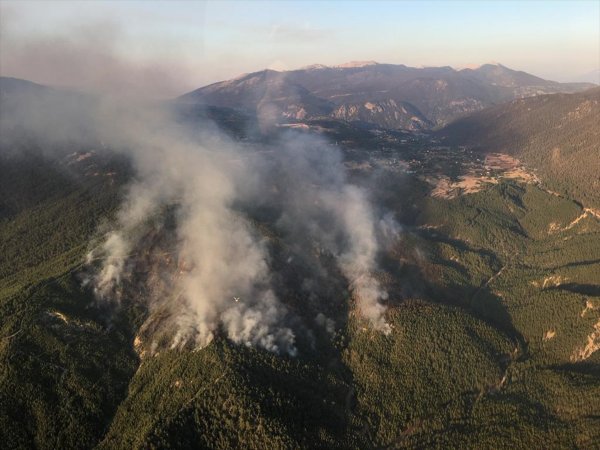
x=438 y=95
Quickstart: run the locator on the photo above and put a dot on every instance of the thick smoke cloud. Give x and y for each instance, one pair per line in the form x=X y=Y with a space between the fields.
x=319 y=206
x=224 y=279
x=225 y=282
x=221 y=277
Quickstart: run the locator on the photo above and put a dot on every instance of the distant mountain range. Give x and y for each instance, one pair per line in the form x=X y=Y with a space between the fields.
x=383 y=95
x=591 y=77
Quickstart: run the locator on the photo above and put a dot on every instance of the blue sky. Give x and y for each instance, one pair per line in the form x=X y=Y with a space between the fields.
x=193 y=43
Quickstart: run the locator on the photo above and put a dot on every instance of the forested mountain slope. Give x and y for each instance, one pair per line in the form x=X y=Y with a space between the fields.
x=558 y=135
x=493 y=304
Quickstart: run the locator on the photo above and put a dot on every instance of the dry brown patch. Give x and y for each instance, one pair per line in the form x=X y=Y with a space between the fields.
x=467 y=184
x=550 y=281
x=475 y=181
x=591 y=346
x=443 y=189
x=549 y=335
x=59 y=315
x=500 y=161
x=553 y=281
x=589 y=306
x=520 y=174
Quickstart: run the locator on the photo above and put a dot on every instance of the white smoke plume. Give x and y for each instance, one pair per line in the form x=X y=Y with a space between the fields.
x=223 y=283
x=319 y=202
x=223 y=279
x=226 y=282
x=357 y=262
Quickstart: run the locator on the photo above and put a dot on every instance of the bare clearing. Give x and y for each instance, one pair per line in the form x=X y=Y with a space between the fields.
x=497 y=166
x=591 y=346
x=500 y=161
x=549 y=335
x=550 y=281
x=589 y=306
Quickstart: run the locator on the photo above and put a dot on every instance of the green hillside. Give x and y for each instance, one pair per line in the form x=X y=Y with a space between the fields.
x=488 y=296
x=558 y=135
x=63 y=370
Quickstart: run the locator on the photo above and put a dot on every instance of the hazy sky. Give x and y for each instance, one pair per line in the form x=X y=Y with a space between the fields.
x=167 y=48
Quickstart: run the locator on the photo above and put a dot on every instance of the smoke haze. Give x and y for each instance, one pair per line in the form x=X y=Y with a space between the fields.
x=218 y=277
x=89 y=56
x=223 y=280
